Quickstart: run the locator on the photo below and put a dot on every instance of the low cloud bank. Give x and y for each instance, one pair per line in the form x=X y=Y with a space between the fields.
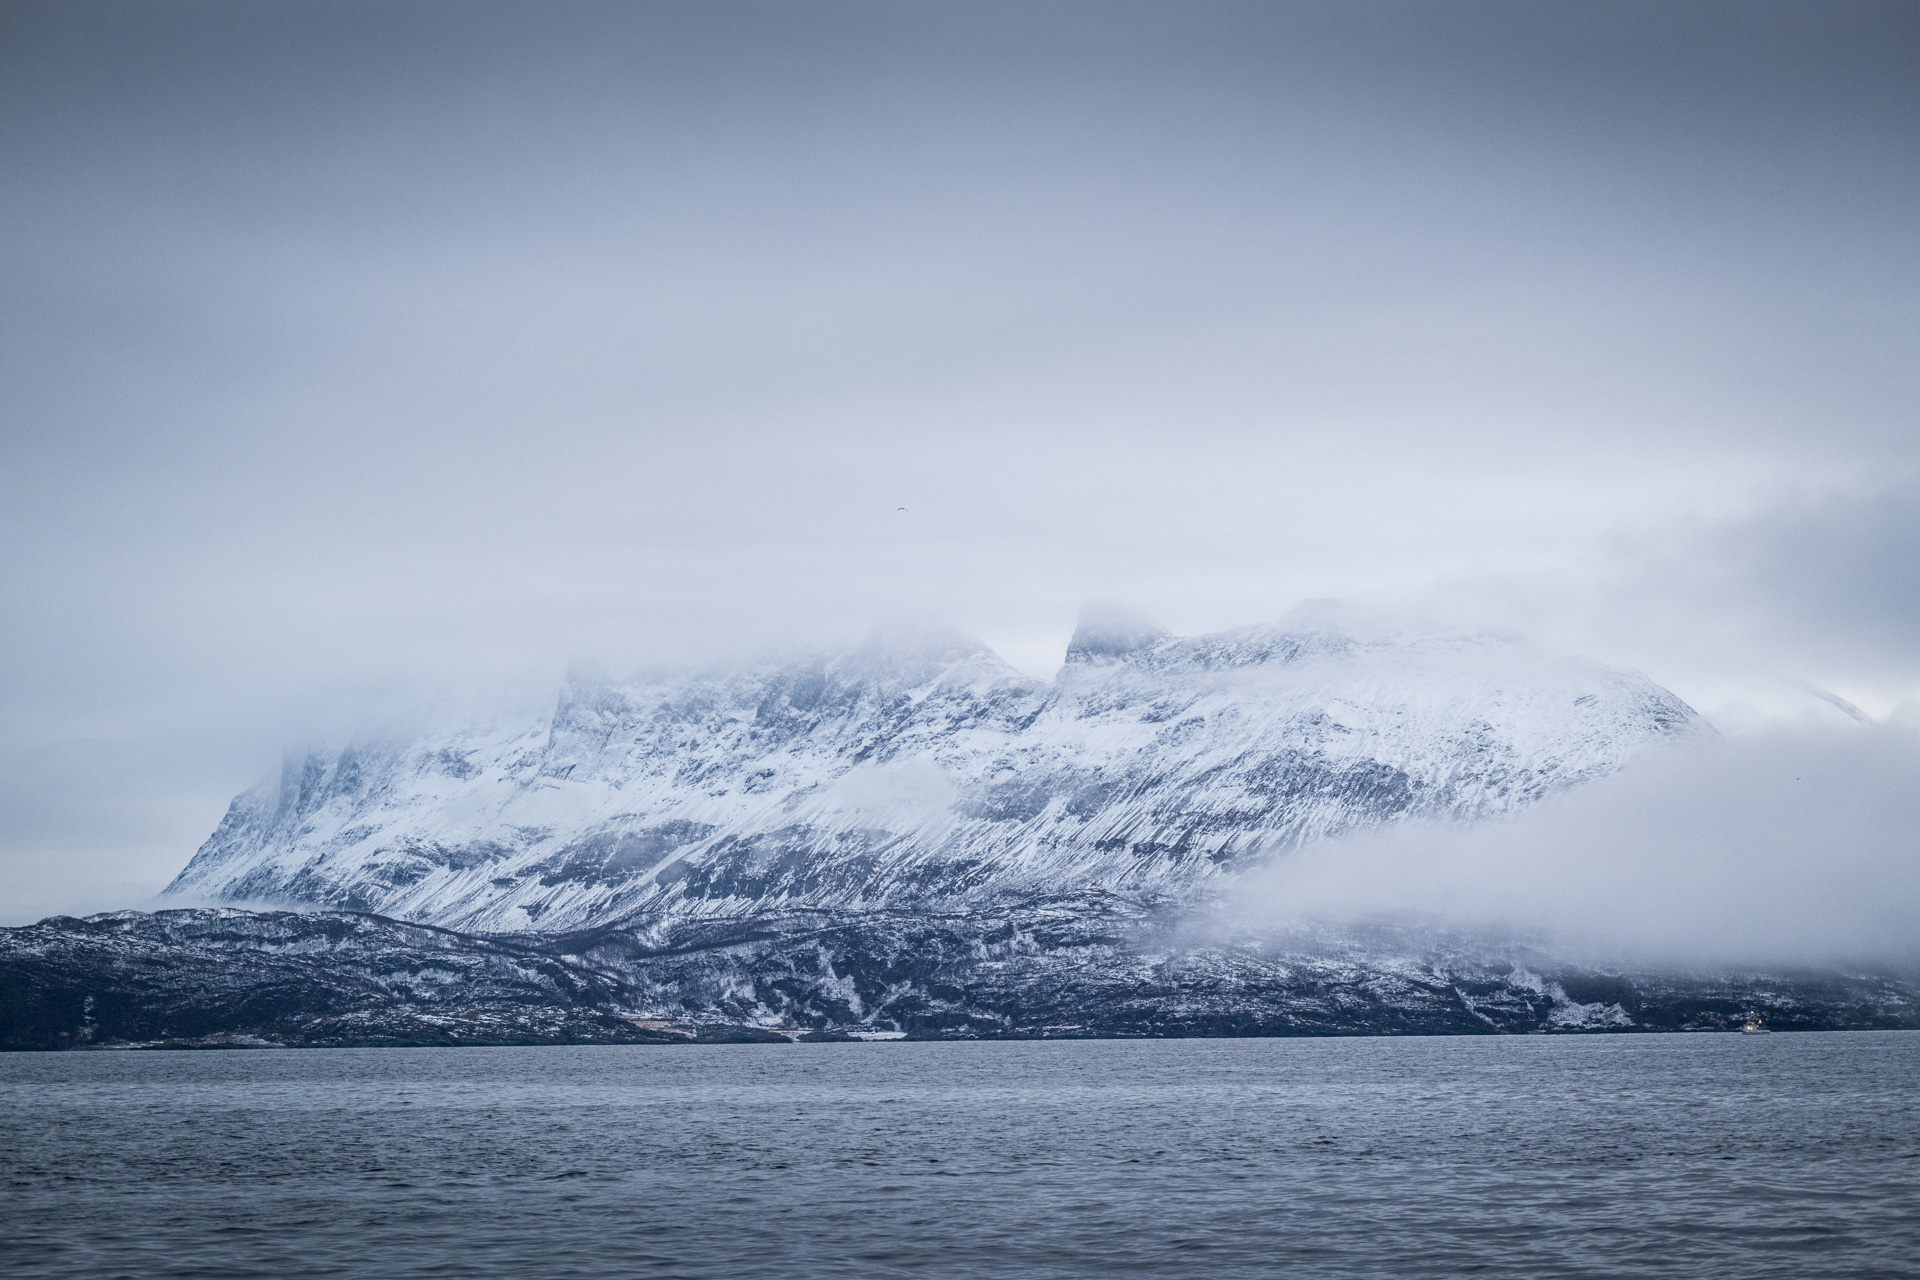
x=1793 y=847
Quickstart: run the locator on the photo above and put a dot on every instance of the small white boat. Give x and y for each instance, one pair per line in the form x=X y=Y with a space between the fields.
x=1754 y=1027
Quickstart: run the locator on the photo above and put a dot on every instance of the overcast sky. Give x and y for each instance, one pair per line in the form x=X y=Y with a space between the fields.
x=352 y=350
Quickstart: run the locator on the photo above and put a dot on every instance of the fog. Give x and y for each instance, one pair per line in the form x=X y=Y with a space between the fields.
x=362 y=356
x=1791 y=846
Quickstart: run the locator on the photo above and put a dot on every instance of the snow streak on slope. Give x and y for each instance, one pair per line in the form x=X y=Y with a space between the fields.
x=922 y=771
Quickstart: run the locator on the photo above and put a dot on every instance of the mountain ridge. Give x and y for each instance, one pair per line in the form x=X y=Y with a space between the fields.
x=921 y=771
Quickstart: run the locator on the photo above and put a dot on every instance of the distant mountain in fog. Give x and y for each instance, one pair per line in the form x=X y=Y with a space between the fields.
x=921 y=772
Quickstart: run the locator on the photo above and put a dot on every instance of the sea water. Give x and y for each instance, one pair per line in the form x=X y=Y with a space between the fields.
x=1618 y=1156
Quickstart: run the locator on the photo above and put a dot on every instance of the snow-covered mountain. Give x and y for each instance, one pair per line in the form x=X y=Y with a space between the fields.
x=921 y=771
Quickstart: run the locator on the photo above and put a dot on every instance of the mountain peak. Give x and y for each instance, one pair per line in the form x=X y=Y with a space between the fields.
x=1109 y=631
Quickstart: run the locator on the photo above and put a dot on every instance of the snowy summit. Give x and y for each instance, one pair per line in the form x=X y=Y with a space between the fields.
x=921 y=771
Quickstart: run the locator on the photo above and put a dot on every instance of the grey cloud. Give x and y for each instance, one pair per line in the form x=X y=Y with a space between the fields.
x=1819 y=588
x=1840 y=574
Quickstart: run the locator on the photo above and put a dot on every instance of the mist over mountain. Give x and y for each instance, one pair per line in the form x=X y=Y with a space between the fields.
x=1796 y=847
x=919 y=770
x=1277 y=830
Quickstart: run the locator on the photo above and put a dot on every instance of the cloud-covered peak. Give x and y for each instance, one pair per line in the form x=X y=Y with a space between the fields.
x=1109 y=631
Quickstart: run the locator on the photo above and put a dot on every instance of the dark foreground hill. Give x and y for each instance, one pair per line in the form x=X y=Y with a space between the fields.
x=1071 y=968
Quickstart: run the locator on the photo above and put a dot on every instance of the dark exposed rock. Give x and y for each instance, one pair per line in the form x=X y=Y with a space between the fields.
x=237 y=978
x=1083 y=967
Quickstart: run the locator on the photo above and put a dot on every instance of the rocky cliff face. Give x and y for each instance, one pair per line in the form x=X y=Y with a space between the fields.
x=923 y=773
